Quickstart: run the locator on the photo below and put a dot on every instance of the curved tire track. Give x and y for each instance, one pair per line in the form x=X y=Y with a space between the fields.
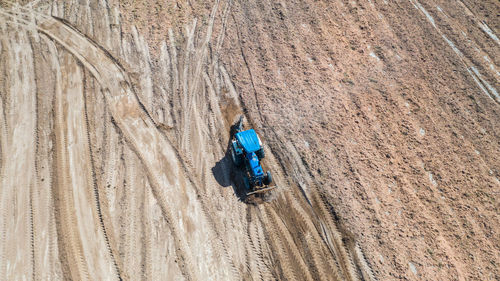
x=17 y=169
x=90 y=251
x=155 y=152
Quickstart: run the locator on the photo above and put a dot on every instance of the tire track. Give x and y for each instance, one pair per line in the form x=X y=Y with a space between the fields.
x=333 y=238
x=221 y=36
x=177 y=102
x=131 y=233
x=147 y=244
x=488 y=90
x=41 y=218
x=327 y=231
x=214 y=105
x=34 y=198
x=3 y=149
x=312 y=244
x=285 y=266
x=143 y=83
x=175 y=82
x=134 y=123
x=335 y=246
x=190 y=158
x=190 y=91
x=255 y=254
x=93 y=180
x=71 y=77
x=481 y=24
x=17 y=175
x=301 y=174
x=202 y=139
x=366 y=271
x=301 y=267
x=276 y=244
x=110 y=177
x=216 y=226
x=184 y=143
x=41 y=200
x=65 y=220
x=250 y=269
x=78 y=202
x=32 y=231
x=53 y=250
x=264 y=266
x=199 y=61
x=312 y=223
x=166 y=73
x=213 y=222
x=207 y=184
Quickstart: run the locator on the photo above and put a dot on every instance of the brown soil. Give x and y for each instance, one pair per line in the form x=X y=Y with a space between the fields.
x=380 y=121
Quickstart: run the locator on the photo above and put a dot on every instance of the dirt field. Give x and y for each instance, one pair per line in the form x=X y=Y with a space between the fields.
x=380 y=120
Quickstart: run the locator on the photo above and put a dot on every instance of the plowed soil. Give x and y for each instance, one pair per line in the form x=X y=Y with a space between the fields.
x=380 y=121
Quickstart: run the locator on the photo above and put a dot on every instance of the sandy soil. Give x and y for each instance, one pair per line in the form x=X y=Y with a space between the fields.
x=380 y=121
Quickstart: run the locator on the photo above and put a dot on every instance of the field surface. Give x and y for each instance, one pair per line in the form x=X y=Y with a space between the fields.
x=380 y=120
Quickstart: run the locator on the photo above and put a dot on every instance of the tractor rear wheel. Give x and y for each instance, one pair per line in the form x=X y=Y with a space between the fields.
x=268 y=179
x=246 y=182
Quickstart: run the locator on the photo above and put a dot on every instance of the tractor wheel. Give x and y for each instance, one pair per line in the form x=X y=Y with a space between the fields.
x=246 y=182
x=236 y=158
x=268 y=179
x=261 y=153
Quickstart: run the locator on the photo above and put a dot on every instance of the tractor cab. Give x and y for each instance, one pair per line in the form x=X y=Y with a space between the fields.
x=249 y=140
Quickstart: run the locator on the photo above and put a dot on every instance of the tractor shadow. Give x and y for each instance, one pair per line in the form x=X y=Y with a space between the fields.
x=226 y=174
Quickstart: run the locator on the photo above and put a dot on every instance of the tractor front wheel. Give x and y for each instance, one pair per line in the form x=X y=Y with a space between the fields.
x=261 y=153
x=236 y=158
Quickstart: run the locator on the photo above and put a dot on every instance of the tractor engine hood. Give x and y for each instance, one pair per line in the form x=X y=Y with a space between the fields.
x=255 y=167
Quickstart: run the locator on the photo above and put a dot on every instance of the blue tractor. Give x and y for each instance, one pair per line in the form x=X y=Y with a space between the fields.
x=247 y=151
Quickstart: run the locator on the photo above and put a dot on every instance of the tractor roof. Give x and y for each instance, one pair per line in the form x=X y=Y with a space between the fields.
x=249 y=140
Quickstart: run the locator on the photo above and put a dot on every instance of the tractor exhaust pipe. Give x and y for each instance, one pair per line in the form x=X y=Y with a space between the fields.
x=239 y=127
